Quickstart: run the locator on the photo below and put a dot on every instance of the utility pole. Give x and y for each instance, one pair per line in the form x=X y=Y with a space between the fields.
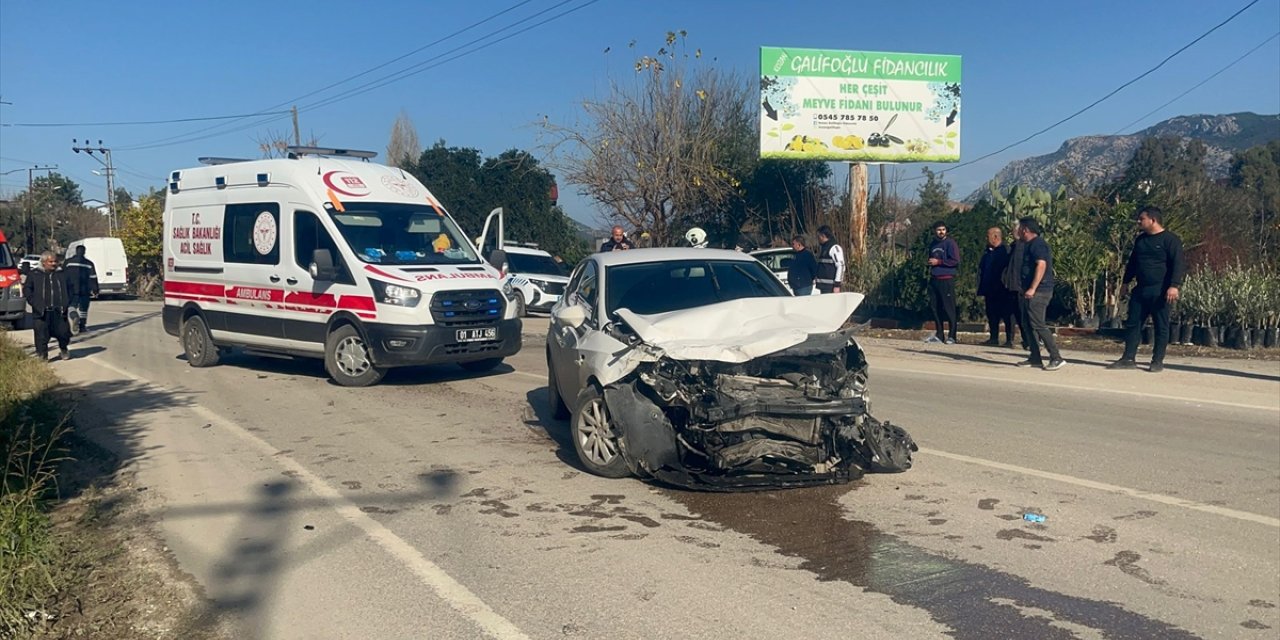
x=297 y=136
x=858 y=209
x=111 y=178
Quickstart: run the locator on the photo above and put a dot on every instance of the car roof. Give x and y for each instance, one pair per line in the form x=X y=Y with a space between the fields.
x=759 y=252
x=640 y=256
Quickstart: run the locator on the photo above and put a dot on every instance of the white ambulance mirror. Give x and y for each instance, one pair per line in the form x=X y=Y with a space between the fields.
x=322 y=265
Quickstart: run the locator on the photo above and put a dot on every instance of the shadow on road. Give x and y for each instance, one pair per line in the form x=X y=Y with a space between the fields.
x=541 y=418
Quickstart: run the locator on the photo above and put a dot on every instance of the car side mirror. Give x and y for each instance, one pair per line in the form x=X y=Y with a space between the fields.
x=571 y=315
x=498 y=258
x=322 y=265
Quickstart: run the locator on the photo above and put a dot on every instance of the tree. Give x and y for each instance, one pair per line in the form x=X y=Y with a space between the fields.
x=142 y=233
x=56 y=188
x=470 y=186
x=651 y=153
x=403 y=148
x=124 y=201
x=1256 y=173
x=935 y=197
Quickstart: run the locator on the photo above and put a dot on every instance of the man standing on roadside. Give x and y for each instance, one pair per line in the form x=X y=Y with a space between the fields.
x=1156 y=262
x=1037 y=285
x=803 y=269
x=1000 y=302
x=617 y=241
x=830 y=261
x=82 y=279
x=46 y=292
x=1013 y=282
x=944 y=264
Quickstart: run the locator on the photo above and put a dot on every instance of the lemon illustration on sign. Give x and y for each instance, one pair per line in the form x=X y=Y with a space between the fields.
x=851 y=142
x=806 y=144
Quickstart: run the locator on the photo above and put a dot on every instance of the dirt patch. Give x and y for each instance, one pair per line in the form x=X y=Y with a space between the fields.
x=118 y=579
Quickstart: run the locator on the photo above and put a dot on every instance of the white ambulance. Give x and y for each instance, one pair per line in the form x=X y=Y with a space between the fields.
x=324 y=254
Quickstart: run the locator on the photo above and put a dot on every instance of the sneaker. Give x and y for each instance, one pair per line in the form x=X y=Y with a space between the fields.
x=66 y=355
x=1054 y=365
x=951 y=340
x=1156 y=367
x=1030 y=363
x=933 y=340
x=1008 y=344
x=1123 y=363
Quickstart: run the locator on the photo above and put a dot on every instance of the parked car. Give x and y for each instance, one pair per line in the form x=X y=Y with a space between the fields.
x=697 y=368
x=29 y=262
x=535 y=277
x=778 y=260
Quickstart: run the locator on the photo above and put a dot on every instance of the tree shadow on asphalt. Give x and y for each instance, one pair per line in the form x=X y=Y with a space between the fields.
x=247 y=575
x=542 y=417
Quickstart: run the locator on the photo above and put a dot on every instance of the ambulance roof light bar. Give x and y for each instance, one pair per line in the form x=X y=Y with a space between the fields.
x=217 y=160
x=295 y=152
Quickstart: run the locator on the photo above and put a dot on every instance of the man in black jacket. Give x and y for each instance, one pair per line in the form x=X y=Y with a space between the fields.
x=46 y=292
x=1000 y=301
x=617 y=241
x=803 y=269
x=1156 y=262
x=82 y=281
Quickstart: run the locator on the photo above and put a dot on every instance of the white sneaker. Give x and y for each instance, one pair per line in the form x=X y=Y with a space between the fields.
x=932 y=340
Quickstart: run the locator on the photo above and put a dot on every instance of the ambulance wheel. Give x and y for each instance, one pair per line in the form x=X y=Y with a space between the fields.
x=199 y=347
x=520 y=308
x=347 y=358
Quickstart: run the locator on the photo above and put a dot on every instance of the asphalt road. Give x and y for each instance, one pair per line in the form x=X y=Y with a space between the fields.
x=443 y=504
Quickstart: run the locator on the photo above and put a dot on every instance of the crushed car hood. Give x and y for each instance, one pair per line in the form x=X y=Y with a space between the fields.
x=741 y=330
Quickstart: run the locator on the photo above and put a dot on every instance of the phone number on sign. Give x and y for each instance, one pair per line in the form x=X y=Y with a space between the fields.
x=847 y=117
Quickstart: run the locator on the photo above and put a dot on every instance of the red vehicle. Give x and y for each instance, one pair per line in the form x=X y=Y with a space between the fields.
x=12 y=306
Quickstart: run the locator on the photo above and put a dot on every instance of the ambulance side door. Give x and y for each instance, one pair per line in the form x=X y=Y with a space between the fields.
x=320 y=298
x=251 y=268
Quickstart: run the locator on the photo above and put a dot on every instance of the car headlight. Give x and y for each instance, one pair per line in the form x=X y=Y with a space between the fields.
x=15 y=290
x=541 y=284
x=399 y=295
x=508 y=290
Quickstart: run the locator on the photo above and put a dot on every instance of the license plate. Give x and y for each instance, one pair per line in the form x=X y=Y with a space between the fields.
x=477 y=335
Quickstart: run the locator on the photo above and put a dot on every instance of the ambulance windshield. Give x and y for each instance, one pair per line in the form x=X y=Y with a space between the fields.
x=402 y=234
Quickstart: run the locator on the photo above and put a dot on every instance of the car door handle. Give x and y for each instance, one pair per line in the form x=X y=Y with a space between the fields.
x=292 y=281
x=274 y=278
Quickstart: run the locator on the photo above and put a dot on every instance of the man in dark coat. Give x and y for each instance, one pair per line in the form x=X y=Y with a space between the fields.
x=999 y=300
x=944 y=263
x=82 y=281
x=1159 y=267
x=803 y=269
x=46 y=292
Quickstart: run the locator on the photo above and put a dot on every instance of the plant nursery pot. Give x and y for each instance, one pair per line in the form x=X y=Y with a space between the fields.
x=1175 y=330
x=1271 y=337
x=1187 y=331
x=1218 y=334
x=1198 y=336
x=1256 y=338
x=1232 y=337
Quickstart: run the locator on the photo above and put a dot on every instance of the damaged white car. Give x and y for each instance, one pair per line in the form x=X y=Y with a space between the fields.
x=698 y=368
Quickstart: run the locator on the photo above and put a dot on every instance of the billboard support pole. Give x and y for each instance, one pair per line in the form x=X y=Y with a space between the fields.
x=858 y=210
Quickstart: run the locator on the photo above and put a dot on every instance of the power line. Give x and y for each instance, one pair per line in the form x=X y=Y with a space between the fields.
x=1099 y=100
x=133 y=122
x=155 y=143
x=1200 y=84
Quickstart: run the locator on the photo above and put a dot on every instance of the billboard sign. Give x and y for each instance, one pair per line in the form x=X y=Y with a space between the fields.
x=861 y=106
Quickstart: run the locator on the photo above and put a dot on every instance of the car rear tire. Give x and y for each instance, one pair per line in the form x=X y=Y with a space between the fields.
x=198 y=345
x=559 y=410
x=594 y=438
x=481 y=366
x=347 y=358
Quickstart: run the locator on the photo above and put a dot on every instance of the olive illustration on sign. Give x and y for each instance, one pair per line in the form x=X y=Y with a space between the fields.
x=883 y=139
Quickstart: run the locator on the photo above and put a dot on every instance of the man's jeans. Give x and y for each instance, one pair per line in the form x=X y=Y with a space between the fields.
x=1035 y=327
x=803 y=291
x=1147 y=301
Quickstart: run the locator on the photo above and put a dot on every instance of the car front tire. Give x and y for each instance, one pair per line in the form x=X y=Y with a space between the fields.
x=594 y=438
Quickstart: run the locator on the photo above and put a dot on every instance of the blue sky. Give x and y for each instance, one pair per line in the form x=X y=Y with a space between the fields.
x=1026 y=65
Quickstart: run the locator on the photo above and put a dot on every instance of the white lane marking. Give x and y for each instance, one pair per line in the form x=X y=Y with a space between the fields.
x=1059 y=385
x=1101 y=486
x=1111 y=488
x=531 y=376
x=450 y=590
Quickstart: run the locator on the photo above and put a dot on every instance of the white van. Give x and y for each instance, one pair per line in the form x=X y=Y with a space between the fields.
x=107 y=255
x=326 y=255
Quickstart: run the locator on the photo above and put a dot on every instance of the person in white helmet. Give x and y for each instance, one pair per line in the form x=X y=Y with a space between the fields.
x=696 y=237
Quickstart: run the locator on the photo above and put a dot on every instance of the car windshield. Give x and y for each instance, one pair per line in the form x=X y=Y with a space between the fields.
x=401 y=234
x=524 y=264
x=658 y=287
x=6 y=258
